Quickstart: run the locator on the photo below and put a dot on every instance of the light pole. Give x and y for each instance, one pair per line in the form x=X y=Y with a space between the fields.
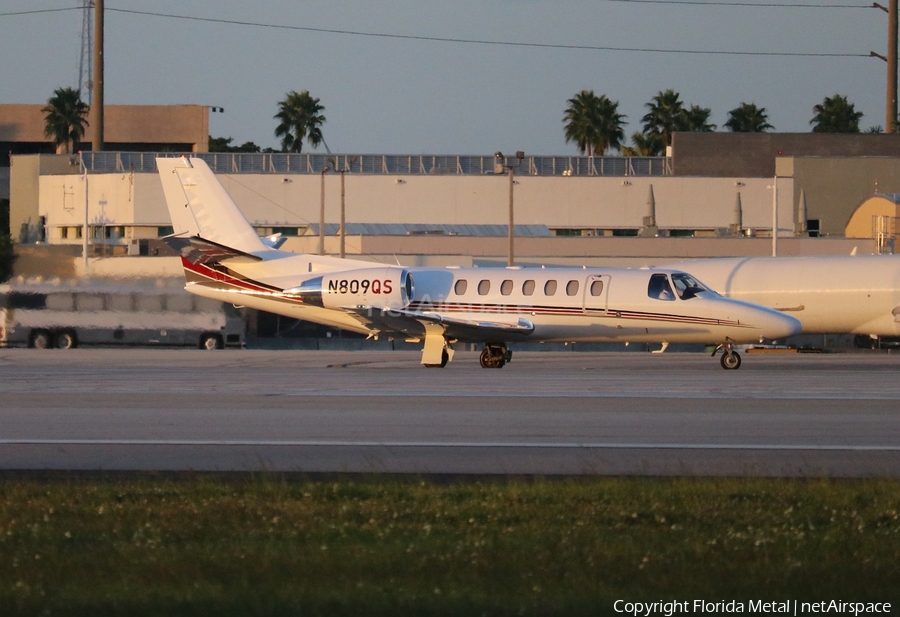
x=343 y=218
x=774 y=188
x=84 y=238
x=322 y=212
x=511 y=261
x=343 y=230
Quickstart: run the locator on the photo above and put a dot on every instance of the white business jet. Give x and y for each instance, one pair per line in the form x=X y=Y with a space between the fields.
x=225 y=259
x=829 y=294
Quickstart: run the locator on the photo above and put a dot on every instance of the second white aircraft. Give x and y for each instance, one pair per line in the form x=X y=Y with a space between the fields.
x=225 y=259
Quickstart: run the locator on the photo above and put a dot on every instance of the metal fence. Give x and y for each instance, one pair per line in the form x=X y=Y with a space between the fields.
x=382 y=164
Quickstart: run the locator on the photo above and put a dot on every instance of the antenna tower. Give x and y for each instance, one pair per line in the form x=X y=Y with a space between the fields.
x=85 y=67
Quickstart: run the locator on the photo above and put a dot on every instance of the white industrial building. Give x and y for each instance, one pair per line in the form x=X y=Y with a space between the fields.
x=567 y=210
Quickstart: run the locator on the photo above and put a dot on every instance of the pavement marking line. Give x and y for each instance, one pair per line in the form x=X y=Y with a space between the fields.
x=437 y=444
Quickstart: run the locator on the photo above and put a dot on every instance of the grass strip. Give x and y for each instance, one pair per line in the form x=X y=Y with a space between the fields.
x=202 y=545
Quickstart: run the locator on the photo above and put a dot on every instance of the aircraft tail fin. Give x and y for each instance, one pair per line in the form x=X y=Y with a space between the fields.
x=200 y=206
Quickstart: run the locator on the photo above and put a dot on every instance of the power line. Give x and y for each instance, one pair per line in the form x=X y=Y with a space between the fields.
x=489 y=42
x=71 y=8
x=751 y=4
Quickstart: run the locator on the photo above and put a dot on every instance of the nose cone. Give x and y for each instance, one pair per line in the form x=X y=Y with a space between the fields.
x=763 y=322
x=776 y=325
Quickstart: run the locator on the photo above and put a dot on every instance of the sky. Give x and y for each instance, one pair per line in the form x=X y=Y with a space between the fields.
x=397 y=77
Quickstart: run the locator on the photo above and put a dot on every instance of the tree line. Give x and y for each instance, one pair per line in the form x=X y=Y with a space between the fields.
x=591 y=121
x=595 y=125
x=299 y=119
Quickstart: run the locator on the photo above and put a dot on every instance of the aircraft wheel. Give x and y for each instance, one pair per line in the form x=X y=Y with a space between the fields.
x=211 y=342
x=490 y=360
x=731 y=361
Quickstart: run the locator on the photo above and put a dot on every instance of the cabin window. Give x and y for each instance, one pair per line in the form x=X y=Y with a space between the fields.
x=484 y=287
x=572 y=288
x=659 y=287
x=506 y=287
x=528 y=287
x=549 y=288
x=596 y=288
x=460 y=287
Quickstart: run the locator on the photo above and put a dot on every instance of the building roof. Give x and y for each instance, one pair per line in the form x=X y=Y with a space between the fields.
x=406 y=229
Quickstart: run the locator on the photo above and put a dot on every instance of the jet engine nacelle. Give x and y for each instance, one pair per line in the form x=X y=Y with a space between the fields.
x=382 y=287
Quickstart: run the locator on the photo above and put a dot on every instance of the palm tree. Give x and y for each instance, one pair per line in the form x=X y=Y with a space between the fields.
x=748 y=118
x=645 y=145
x=835 y=115
x=665 y=116
x=594 y=123
x=300 y=118
x=696 y=119
x=65 y=118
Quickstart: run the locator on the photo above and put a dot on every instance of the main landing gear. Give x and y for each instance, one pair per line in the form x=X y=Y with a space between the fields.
x=495 y=355
x=445 y=358
x=731 y=360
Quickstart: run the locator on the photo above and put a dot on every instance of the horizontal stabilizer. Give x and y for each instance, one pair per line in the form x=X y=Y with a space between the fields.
x=199 y=251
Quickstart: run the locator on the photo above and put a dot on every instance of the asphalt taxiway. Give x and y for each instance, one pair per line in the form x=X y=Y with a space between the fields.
x=546 y=413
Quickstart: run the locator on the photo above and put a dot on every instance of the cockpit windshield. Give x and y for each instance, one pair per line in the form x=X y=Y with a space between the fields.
x=686 y=286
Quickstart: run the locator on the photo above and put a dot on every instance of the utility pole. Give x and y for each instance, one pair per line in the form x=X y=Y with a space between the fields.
x=891 y=112
x=890 y=115
x=97 y=98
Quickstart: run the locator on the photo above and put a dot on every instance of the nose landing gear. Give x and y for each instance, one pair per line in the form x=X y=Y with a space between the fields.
x=495 y=355
x=731 y=360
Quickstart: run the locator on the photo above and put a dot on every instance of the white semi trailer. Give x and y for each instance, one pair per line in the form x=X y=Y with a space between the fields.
x=67 y=314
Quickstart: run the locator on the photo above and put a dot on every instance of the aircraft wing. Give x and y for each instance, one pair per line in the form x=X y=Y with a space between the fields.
x=412 y=324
